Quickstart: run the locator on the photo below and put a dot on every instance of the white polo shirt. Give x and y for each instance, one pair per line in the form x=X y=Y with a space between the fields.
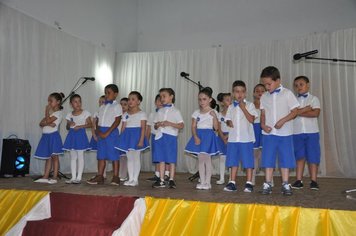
x=242 y=131
x=222 y=120
x=150 y=122
x=204 y=120
x=276 y=106
x=79 y=119
x=49 y=129
x=307 y=125
x=171 y=114
x=108 y=113
x=258 y=118
x=134 y=120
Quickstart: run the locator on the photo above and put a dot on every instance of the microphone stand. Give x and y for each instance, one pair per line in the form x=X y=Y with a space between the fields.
x=329 y=59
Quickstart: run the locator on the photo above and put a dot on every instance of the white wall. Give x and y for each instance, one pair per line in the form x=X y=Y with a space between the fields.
x=185 y=24
x=111 y=22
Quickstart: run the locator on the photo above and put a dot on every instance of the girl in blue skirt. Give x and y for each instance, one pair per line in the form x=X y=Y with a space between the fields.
x=132 y=139
x=77 y=140
x=203 y=143
x=50 y=145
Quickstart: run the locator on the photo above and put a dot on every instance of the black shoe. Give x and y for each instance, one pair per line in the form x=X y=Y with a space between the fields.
x=298 y=184
x=166 y=178
x=172 y=184
x=153 y=179
x=159 y=184
x=314 y=185
x=248 y=188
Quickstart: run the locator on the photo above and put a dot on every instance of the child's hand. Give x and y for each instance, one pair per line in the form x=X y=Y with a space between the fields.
x=279 y=124
x=213 y=114
x=165 y=123
x=140 y=144
x=226 y=137
x=197 y=141
x=100 y=134
x=307 y=108
x=95 y=137
x=229 y=124
x=76 y=128
x=242 y=103
x=266 y=128
x=71 y=123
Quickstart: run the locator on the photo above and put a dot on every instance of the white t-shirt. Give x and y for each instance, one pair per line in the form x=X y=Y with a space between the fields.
x=258 y=118
x=134 y=120
x=222 y=120
x=277 y=106
x=204 y=120
x=171 y=114
x=242 y=131
x=108 y=113
x=49 y=129
x=79 y=119
x=150 y=122
x=307 y=125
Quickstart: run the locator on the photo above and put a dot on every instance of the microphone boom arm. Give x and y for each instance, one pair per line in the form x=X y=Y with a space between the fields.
x=74 y=89
x=330 y=59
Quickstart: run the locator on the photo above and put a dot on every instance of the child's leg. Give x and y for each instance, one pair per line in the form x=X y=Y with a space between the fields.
x=285 y=175
x=162 y=166
x=269 y=175
x=313 y=171
x=257 y=158
x=123 y=166
x=115 y=167
x=48 y=166
x=222 y=160
x=130 y=164
x=101 y=167
x=167 y=168
x=300 y=168
x=249 y=173
x=233 y=173
x=157 y=170
x=172 y=168
x=73 y=163
x=80 y=165
x=137 y=165
x=208 y=169
x=202 y=168
x=55 y=161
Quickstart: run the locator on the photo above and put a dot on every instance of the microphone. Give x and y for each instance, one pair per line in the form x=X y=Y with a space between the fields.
x=183 y=74
x=298 y=56
x=88 y=78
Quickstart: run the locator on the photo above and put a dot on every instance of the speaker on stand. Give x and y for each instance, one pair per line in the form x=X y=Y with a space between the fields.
x=15 y=158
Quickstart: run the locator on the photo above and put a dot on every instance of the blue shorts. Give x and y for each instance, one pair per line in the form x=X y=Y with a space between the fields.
x=281 y=146
x=237 y=152
x=258 y=135
x=307 y=146
x=165 y=149
x=106 y=147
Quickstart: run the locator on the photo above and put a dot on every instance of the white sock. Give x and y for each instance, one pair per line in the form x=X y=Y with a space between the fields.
x=130 y=164
x=222 y=160
x=166 y=172
x=80 y=164
x=137 y=165
x=157 y=173
x=208 y=169
x=73 y=163
x=201 y=159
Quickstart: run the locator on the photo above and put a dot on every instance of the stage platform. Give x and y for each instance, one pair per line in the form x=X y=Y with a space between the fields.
x=330 y=195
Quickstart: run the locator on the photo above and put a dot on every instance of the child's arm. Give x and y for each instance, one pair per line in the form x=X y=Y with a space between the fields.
x=68 y=125
x=148 y=132
x=143 y=132
x=88 y=124
x=249 y=117
x=216 y=124
x=265 y=127
x=112 y=127
x=194 y=132
x=222 y=135
x=174 y=125
x=308 y=111
x=93 y=128
x=292 y=114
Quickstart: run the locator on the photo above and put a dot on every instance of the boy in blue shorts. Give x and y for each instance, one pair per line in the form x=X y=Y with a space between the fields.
x=278 y=107
x=306 y=133
x=109 y=118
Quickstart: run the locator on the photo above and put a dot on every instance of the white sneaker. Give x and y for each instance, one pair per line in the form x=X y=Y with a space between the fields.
x=134 y=183
x=77 y=181
x=129 y=183
x=124 y=179
x=70 y=181
x=206 y=186
x=52 y=181
x=42 y=180
x=199 y=186
x=220 y=182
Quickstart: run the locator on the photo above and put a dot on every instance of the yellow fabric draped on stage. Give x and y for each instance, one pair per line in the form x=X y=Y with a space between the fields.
x=180 y=217
x=14 y=204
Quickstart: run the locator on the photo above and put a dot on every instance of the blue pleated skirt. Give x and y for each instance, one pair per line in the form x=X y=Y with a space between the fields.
x=129 y=139
x=222 y=147
x=49 y=145
x=208 y=144
x=76 y=140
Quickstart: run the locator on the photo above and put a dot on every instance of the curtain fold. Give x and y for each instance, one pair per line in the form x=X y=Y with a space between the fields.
x=333 y=83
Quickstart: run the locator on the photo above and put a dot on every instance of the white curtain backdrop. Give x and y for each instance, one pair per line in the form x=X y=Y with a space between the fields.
x=35 y=60
x=333 y=83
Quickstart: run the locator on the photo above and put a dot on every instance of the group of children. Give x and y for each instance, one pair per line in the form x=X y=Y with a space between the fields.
x=276 y=125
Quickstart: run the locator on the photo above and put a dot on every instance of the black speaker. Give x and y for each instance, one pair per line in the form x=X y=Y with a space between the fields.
x=15 y=158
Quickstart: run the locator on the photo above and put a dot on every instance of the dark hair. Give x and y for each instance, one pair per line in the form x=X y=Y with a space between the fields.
x=137 y=94
x=209 y=92
x=170 y=91
x=270 y=72
x=157 y=97
x=102 y=96
x=74 y=96
x=238 y=83
x=306 y=79
x=221 y=96
x=259 y=85
x=113 y=87
x=59 y=97
x=125 y=99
